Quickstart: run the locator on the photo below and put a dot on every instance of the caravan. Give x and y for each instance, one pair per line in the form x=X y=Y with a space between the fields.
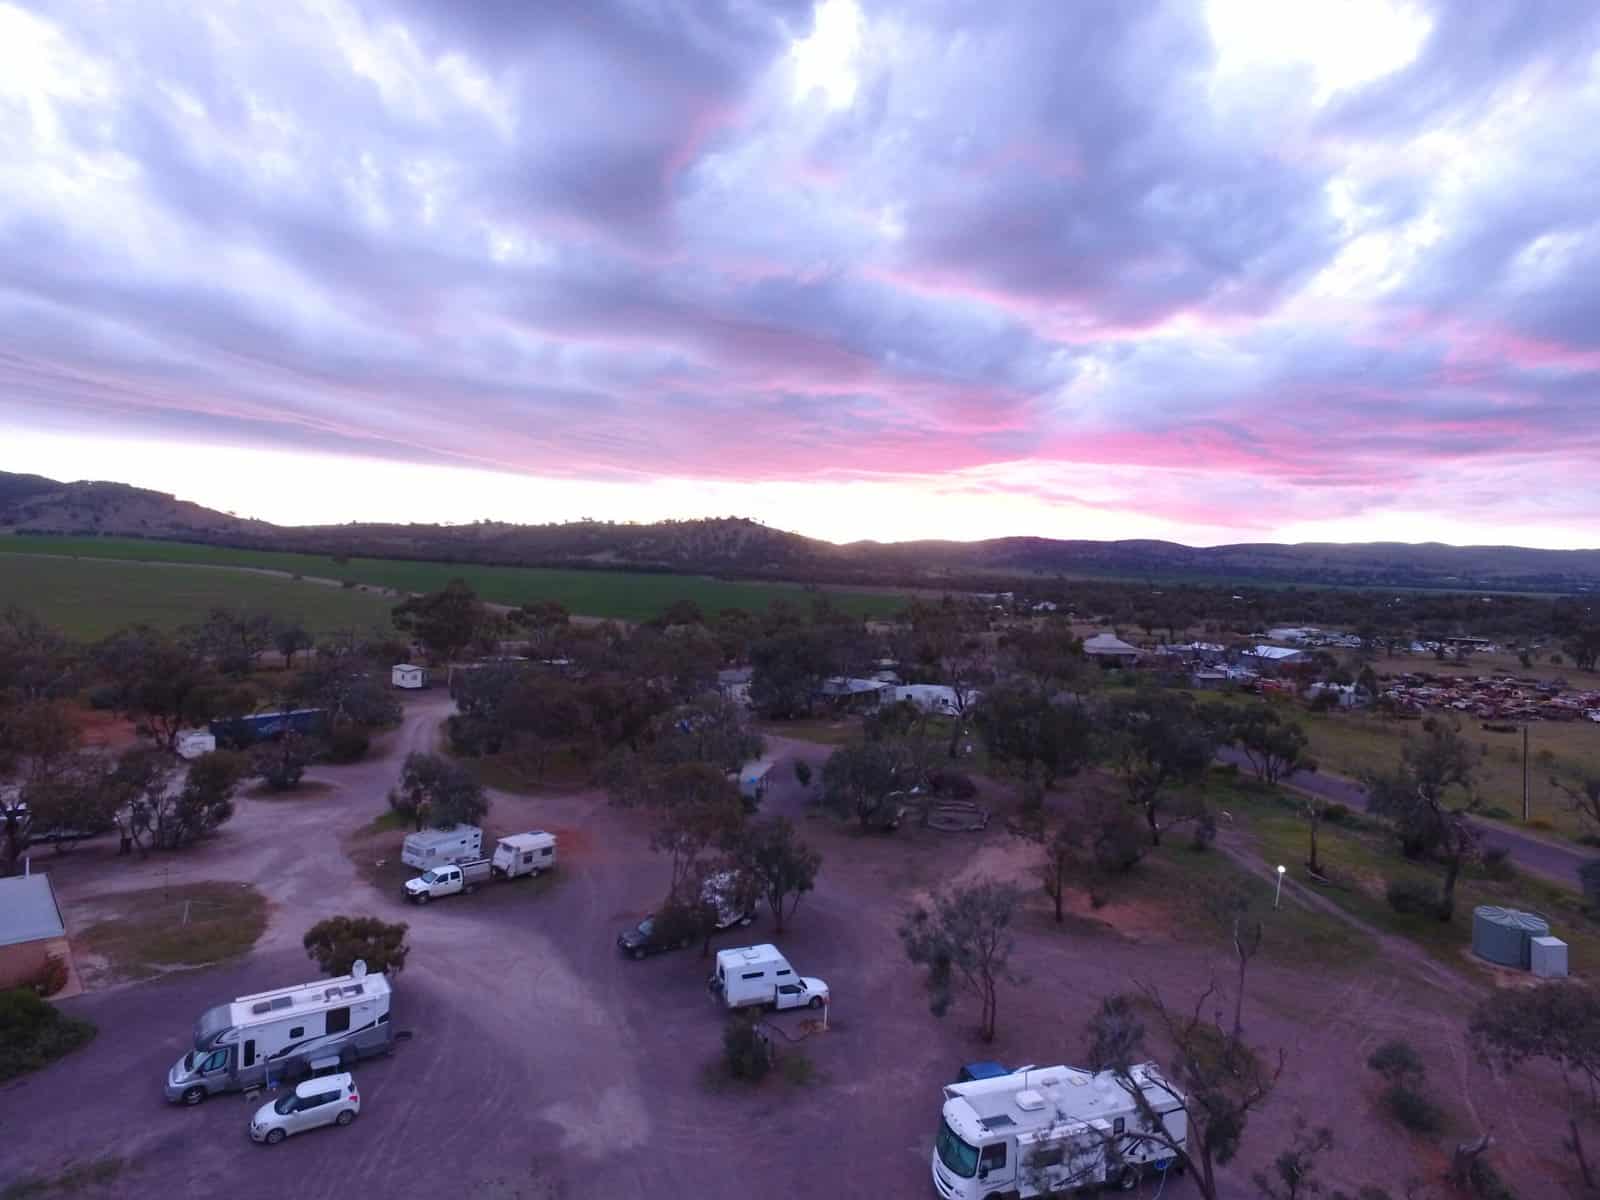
x=1044 y=1131
x=439 y=847
x=283 y=1033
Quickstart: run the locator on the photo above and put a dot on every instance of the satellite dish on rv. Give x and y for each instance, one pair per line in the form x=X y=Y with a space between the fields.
x=358 y=969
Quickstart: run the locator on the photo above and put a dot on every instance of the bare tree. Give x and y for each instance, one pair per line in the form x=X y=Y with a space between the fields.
x=1293 y=1174
x=1234 y=910
x=963 y=937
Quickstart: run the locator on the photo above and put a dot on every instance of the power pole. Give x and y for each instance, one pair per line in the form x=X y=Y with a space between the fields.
x=1524 y=772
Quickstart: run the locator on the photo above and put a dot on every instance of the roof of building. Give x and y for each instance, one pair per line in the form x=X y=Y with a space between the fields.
x=28 y=910
x=1107 y=643
x=1276 y=652
x=851 y=687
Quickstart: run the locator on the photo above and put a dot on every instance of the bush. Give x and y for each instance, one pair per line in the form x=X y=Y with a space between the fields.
x=1498 y=813
x=1497 y=863
x=348 y=744
x=1336 y=814
x=746 y=1053
x=1204 y=831
x=103 y=697
x=1589 y=839
x=1414 y=896
x=1541 y=824
x=33 y=1033
x=1398 y=1062
x=1413 y=1108
x=1486 y=1182
x=953 y=785
x=52 y=977
x=334 y=944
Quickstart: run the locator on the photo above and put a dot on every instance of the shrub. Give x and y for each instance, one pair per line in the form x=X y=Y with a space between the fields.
x=1498 y=813
x=348 y=744
x=1397 y=1061
x=103 y=697
x=1589 y=839
x=1497 y=863
x=1414 y=896
x=1486 y=1182
x=52 y=977
x=1413 y=1108
x=334 y=944
x=955 y=785
x=33 y=1033
x=802 y=772
x=1541 y=824
x=746 y=1053
x=1336 y=814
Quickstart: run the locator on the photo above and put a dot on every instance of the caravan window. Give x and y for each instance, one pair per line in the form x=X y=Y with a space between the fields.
x=250 y=1053
x=755 y=975
x=298 y=1031
x=994 y=1157
x=338 y=1020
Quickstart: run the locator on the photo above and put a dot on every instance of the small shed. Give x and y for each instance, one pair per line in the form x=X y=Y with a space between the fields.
x=408 y=675
x=1548 y=957
x=1503 y=935
x=30 y=928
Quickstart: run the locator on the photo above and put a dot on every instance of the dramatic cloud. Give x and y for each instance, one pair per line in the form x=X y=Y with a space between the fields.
x=1197 y=269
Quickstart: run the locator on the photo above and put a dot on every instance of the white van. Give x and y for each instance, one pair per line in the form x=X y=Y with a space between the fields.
x=524 y=854
x=435 y=847
x=760 y=975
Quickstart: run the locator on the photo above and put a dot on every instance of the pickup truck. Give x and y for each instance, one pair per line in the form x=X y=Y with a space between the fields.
x=447 y=880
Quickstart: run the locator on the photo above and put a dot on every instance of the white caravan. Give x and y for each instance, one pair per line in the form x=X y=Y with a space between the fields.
x=281 y=1033
x=760 y=975
x=435 y=847
x=1049 y=1130
x=524 y=854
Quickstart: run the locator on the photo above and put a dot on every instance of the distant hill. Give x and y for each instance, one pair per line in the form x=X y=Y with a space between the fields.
x=746 y=549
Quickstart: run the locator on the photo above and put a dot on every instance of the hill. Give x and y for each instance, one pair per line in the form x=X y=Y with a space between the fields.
x=741 y=548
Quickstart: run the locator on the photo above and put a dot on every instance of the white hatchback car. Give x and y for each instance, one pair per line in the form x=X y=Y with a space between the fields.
x=327 y=1100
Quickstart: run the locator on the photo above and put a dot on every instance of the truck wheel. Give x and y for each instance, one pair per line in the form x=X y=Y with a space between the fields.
x=193 y=1096
x=638 y=953
x=816 y=1002
x=1129 y=1179
x=345 y=1117
x=423 y=897
x=274 y=1136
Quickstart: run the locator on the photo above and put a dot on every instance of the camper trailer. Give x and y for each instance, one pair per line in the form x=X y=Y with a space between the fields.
x=408 y=676
x=524 y=854
x=1050 y=1130
x=753 y=781
x=436 y=847
x=279 y=1034
x=760 y=976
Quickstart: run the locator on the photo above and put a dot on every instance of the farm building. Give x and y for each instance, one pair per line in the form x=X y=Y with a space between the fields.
x=1110 y=650
x=31 y=929
x=408 y=675
x=855 y=694
x=929 y=697
x=1273 y=658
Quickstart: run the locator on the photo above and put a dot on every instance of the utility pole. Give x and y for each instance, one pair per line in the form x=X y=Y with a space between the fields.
x=1524 y=772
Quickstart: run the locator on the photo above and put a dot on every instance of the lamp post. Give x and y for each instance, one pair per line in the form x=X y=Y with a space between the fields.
x=1278 y=895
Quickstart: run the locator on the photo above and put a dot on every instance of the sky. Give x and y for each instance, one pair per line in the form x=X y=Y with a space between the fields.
x=1247 y=270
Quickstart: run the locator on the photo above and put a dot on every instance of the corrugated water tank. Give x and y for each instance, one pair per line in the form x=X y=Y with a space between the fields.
x=1502 y=935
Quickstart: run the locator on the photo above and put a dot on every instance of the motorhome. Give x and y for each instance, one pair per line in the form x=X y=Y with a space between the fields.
x=436 y=847
x=751 y=976
x=1048 y=1130
x=279 y=1034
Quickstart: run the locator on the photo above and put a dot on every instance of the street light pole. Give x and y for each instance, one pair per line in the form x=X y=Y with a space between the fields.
x=1278 y=895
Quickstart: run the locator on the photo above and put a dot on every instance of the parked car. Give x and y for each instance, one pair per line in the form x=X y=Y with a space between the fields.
x=652 y=936
x=328 y=1100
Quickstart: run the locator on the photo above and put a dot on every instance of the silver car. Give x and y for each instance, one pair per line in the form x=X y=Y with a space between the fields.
x=326 y=1100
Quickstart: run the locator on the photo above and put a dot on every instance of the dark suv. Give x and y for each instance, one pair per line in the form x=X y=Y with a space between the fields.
x=653 y=935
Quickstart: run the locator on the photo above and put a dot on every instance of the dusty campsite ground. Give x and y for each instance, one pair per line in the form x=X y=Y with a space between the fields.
x=543 y=1064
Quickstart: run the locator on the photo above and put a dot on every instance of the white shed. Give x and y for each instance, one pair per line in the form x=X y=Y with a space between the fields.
x=406 y=675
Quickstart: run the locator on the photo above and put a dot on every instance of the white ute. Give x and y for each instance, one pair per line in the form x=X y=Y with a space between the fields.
x=760 y=975
x=1049 y=1130
x=522 y=855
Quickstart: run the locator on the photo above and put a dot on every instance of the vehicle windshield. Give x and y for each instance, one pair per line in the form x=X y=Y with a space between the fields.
x=429 y=877
x=647 y=926
x=188 y=1062
x=284 y=1105
x=958 y=1157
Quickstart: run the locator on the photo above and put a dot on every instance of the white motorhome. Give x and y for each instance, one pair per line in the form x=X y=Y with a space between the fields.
x=281 y=1033
x=435 y=847
x=761 y=976
x=1049 y=1130
x=524 y=854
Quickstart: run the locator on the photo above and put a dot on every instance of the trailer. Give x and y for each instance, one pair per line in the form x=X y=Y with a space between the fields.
x=268 y=1036
x=1051 y=1130
x=522 y=854
x=436 y=847
x=239 y=733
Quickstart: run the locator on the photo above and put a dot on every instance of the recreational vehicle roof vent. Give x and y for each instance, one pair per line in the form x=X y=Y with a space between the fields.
x=261 y=1006
x=1000 y=1122
x=1029 y=1100
x=282 y=1002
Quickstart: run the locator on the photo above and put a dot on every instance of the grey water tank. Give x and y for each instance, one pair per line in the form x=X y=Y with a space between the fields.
x=1501 y=935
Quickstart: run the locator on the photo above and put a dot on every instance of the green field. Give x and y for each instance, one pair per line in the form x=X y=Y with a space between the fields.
x=627 y=596
x=89 y=599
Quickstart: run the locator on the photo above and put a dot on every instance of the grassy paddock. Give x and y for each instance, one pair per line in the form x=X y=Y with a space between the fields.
x=88 y=598
x=629 y=596
x=1362 y=859
x=184 y=925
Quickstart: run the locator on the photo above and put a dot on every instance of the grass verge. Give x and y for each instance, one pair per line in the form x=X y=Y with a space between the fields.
x=184 y=925
x=73 y=1179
